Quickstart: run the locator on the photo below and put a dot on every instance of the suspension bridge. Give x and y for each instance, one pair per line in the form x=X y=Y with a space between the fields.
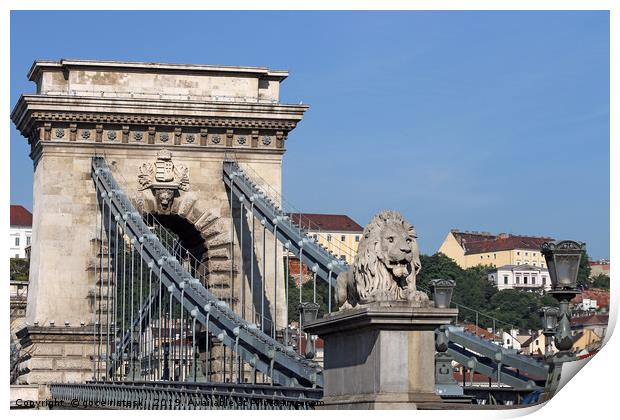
x=159 y=271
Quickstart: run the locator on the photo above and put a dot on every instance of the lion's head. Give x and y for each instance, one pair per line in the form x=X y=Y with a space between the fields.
x=388 y=259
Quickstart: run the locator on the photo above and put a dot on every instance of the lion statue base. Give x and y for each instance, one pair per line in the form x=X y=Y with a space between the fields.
x=385 y=267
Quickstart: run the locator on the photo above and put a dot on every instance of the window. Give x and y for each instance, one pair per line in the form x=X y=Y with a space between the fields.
x=27 y=240
x=508 y=342
x=494 y=256
x=314 y=236
x=342 y=238
x=526 y=254
x=544 y=280
x=518 y=253
x=329 y=238
x=505 y=279
x=536 y=342
x=343 y=257
x=17 y=241
x=518 y=262
x=481 y=257
x=518 y=280
x=533 y=278
x=357 y=238
x=524 y=279
x=533 y=254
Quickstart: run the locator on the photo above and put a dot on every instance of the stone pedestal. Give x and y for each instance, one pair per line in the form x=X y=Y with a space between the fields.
x=58 y=354
x=380 y=357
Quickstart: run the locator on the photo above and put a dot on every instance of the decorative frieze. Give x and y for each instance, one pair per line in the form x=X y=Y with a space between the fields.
x=151 y=135
x=99 y=133
x=229 y=138
x=255 y=139
x=155 y=120
x=177 y=136
x=125 y=134
x=72 y=132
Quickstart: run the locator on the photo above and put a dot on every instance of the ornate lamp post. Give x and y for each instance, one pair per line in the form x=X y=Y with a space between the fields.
x=308 y=312
x=442 y=292
x=549 y=317
x=563 y=259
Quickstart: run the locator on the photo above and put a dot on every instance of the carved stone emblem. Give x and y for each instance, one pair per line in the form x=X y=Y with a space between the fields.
x=111 y=135
x=85 y=134
x=60 y=133
x=164 y=178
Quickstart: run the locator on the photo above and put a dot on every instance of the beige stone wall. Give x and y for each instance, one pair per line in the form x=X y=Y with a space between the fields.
x=65 y=224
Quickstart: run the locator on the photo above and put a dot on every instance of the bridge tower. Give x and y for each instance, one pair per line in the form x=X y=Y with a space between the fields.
x=166 y=130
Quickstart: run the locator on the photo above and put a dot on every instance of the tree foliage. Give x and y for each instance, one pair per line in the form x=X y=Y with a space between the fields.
x=583 y=275
x=474 y=292
x=600 y=281
x=19 y=269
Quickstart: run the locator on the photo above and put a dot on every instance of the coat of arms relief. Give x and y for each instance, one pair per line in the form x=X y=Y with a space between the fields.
x=164 y=178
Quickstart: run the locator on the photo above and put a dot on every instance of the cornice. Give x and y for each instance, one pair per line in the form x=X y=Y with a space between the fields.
x=46 y=108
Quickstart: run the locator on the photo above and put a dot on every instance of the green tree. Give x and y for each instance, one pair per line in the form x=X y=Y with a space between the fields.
x=583 y=275
x=600 y=281
x=517 y=307
x=437 y=266
x=19 y=269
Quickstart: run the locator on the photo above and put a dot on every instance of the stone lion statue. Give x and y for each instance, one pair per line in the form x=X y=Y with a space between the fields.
x=385 y=267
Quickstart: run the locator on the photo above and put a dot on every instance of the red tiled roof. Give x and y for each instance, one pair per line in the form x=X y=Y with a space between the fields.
x=326 y=222
x=595 y=319
x=481 y=332
x=504 y=243
x=20 y=216
x=601 y=296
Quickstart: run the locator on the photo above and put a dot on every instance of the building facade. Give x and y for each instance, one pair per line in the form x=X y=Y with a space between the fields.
x=520 y=277
x=20 y=231
x=470 y=249
x=339 y=233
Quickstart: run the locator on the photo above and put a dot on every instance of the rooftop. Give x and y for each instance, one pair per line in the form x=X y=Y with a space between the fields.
x=100 y=65
x=482 y=242
x=20 y=216
x=588 y=320
x=326 y=222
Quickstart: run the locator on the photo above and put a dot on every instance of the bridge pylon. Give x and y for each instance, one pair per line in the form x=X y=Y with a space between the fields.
x=166 y=130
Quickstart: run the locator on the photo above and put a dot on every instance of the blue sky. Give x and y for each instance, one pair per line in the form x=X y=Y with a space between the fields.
x=492 y=121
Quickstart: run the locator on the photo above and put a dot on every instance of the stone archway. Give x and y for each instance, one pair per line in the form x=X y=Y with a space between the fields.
x=214 y=232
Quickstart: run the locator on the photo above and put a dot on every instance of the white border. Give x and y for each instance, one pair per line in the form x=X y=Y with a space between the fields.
x=591 y=394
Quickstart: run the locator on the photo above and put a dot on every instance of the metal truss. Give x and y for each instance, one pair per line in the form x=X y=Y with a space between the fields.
x=261 y=351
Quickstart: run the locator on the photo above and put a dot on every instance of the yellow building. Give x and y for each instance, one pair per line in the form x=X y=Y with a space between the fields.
x=586 y=341
x=470 y=249
x=337 y=232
